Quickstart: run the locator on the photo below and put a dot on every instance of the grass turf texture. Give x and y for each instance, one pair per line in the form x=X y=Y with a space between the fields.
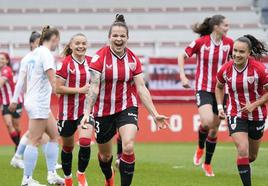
x=156 y=165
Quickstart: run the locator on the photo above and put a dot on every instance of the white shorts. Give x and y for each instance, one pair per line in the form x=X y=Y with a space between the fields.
x=37 y=113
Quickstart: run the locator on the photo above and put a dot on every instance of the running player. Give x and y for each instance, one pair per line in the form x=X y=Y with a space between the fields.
x=11 y=119
x=115 y=75
x=247 y=82
x=17 y=161
x=212 y=49
x=40 y=85
x=72 y=85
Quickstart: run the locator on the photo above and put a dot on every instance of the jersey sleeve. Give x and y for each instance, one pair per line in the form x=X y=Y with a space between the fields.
x=138 y=69
x=96 y=63
x=19 y=86
x=48 y=61
x=263 y=75
x=220 y=75
x=192 y=48
x=7 y=73
x=62 y=70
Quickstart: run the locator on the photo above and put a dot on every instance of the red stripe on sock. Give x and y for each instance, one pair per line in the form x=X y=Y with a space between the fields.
x=14 y=134
x=242 y=161
x=212 y=140
x=202 y=130
x=128 y=158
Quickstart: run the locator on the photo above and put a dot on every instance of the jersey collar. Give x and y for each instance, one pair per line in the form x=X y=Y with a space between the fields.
x=120 y=58
x=240 y=71
x=214 y=42
x=77 y=61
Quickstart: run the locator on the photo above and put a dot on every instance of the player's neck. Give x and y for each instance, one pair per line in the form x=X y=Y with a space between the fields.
x=216 y=37
x=79 y=59
x=47 y=45
x=241 y=66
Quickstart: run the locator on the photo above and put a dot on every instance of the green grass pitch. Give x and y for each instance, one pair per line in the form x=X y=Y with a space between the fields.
x=156 y=165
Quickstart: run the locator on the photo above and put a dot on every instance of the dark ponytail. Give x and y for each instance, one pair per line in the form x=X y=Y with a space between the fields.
x=256 y=47
x=47 y=33
x=119 y=21
x=34 y=36
x=67 y=49
x=208 y=24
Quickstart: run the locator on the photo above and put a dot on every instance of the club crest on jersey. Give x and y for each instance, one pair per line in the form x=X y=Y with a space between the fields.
x=59 y=66
x=225 y=48
x=233 y=126
x=250 y=79
x=132 y=65
x=95 y=58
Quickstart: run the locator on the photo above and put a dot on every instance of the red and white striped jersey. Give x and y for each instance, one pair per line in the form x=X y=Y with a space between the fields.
x=245 y=86
x=117 y=88
x=7 y=89
x=76 y=75
x=210 y=57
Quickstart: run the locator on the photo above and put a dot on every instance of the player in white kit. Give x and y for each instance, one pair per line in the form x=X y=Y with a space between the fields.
x=40 y=85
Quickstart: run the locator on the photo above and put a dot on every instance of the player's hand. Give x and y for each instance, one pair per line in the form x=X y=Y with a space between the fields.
x=161 y=121
x=84 y=89
x=87 y=119
x=221 y=114
x=249 y=107
x=12 y=107
x=185 y=81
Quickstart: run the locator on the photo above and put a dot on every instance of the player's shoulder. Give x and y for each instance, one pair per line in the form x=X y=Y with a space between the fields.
x=256 y=64
x=228 y=65
x=6 y=69
x=88 y=58
x=100 y=54
x=131 y=54
x=227 y=40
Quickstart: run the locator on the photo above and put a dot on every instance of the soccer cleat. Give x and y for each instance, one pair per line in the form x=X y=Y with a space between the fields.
x=198 y=156
x=208 y=170
x=54 y=178
x=110 y=182
x=81 y=177
x=68 y=181
x=30 y=182
x=58 y=166
x=17 y=162
x=117 y=163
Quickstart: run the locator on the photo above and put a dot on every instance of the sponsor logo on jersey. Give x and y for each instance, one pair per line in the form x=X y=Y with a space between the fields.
x=59 y=66
x=109 y=66
x=95 y=58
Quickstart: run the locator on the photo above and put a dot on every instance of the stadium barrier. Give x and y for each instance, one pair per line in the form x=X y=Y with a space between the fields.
x=183 y=119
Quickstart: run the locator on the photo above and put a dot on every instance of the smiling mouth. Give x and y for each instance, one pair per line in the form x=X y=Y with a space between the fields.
x=80 y=49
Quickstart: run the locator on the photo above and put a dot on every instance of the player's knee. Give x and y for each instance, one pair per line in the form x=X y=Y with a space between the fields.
x=84 y=142
x=242 y=150
x=252 y=157
x=207 y=122
x=105 y=157
x=67 y=149
x=213 y=133
x=128 y=147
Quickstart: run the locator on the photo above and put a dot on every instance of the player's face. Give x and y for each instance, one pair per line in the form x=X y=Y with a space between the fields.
x=241 y=53
x=54 y=40
x=3 y=60
x=79 y=46
x=223 y=27
x=35 y=44
x=118 y=39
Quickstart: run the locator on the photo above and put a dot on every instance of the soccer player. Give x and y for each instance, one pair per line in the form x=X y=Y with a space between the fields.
x=72 y=83
x=17 y=160
x=116 y=74
x=40 y=85
x=247 y=82
x=11 y=119
x=212 y=49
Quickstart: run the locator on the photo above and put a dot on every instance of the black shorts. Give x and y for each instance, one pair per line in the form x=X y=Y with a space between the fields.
x=16 y=114
x=204 y=97
x=67 y=128
x=107 y=126
x=254 y=129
